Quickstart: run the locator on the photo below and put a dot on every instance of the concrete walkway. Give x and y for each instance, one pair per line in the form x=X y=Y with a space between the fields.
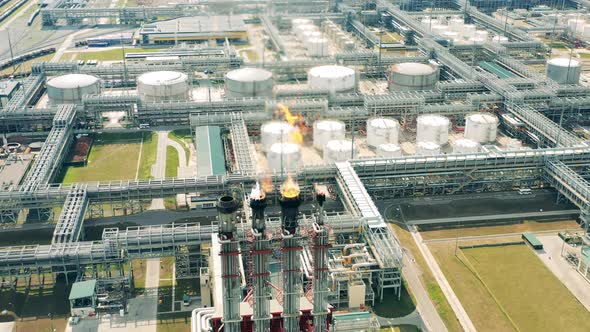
x=424 y=306
x=7 y=327
x=159 y=168
x=184 y=170
x=452 y=298
x=551 y=257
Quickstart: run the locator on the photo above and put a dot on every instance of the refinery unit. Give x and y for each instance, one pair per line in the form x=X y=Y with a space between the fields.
x=298 y=150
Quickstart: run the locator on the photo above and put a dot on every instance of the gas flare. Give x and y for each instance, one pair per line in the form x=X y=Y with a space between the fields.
x=289 y=188
x=267 y=186
x=257 y=192
x=295 y=120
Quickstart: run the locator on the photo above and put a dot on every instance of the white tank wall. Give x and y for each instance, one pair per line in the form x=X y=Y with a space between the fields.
x=275 y=132
x=382 y=131
x=389 y=150
x=564 y=70
x=249 y=82
x=427 y=148
x=327 y=130
x=433 y=128
x=285 y=156
x=412 y=77
x=481 y=127
x=339 y=150
x=317 y=47
x=464 y=145
x=331 y=78
x=69 y=89
x=163 y=86
x=514 y=144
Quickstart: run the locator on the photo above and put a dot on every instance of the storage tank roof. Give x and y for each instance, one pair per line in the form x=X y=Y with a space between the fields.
x=465 y=142
x=390 y=147
x=72 y=81
x=483 y=118
x=383 y=123
x=249 y=75
x=162 y=77
x=339 y=145
x=277 y=127
x=413 y=68
x=331 y=71
x=428 y=145
x=564 y=62
x=330 y=125
x=433 y=119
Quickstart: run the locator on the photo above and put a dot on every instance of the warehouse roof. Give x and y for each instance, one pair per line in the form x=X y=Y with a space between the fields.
x=82 y=289
x=210 y=153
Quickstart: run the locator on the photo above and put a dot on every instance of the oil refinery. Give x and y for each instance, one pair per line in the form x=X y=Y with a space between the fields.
x=294 y=165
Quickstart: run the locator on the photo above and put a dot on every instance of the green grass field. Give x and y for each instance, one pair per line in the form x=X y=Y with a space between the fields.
x=508 y=288
x=115 y=157
x=171 y=162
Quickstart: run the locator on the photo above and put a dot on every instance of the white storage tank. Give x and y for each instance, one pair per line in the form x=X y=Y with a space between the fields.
x=433 y=128
x=439 y=29
x=300 y=21
x=339 y=150
x=427 y=148
x=468 y=31
x=481 y=127
x=325 y=131
x=481 y=34
x=331 y=78
x=564 y=70
x=69 y=89
x=285 y=156
x=302 y=29
x=275 y=132
x=317 y=47
x=514 y=144
x=411 y=76
x=450 y=35
x=389 y=150
x=500 y=39
x=307 y=35
x=382 y=131
x=456 y=24
x=464 y=145
x=249 y=82
x=576 y=26
x=163 y=86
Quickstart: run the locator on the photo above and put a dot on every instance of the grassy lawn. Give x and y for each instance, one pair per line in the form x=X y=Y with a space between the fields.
x=527 y=226
x=113 y=157
x=584 y=55
x=110 y=54
x=148 y=155
x=509 y=289
x=532 y=296
x=391 y=307
x=171 y=162
x=182 y=136
x=139 y=268
x=166 y=269
x=26 y=66
x=435 y=293
x=557 y=45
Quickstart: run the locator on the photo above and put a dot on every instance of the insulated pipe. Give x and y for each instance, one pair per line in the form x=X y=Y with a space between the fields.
x=196 y=318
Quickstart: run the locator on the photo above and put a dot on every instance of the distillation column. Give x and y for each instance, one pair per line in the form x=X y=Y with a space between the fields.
x=261 y=315
x=320 y=268
x=230 y=267
x=292 y=282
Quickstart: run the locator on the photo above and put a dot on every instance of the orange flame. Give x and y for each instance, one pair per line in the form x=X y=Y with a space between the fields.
x=295 y=120
x=267 y=186
x=289 y=188
x=257 y=192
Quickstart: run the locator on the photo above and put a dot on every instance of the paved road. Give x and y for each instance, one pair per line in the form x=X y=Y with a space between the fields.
x=159 y=168
x=411 y=274
x=184 y=170
x=452 y=298
x=551 y=257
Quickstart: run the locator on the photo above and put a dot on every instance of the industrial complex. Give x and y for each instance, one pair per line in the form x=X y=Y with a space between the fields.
x=294 y=165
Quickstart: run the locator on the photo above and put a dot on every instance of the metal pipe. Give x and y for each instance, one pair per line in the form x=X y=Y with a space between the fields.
x=196 y=318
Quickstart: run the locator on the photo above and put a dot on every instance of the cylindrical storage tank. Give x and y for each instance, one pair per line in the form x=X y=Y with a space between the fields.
x=339 y=150
x=428 y=23
x=69 y=89
x=481 y=34
x=439 y=29
x=300 y=21
x=275 y=132
x=468 y=30
x=327 y=130
x=302 y=29
x=248 y=82
x=163 y=86
x=432 y=128
x=382 y=131
x=481 y=127
x=514 y=144
x=456 y=24
x=317 y=47
x=586 y=33
x=284 y=156
x=349 y=45
x=576 y=26
x=331 y=78
x=427 y=148
x=500 y=39
x=564 y=70
x=307 y=35
x=389 y=150
x=411 y=76
x=464 y=145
